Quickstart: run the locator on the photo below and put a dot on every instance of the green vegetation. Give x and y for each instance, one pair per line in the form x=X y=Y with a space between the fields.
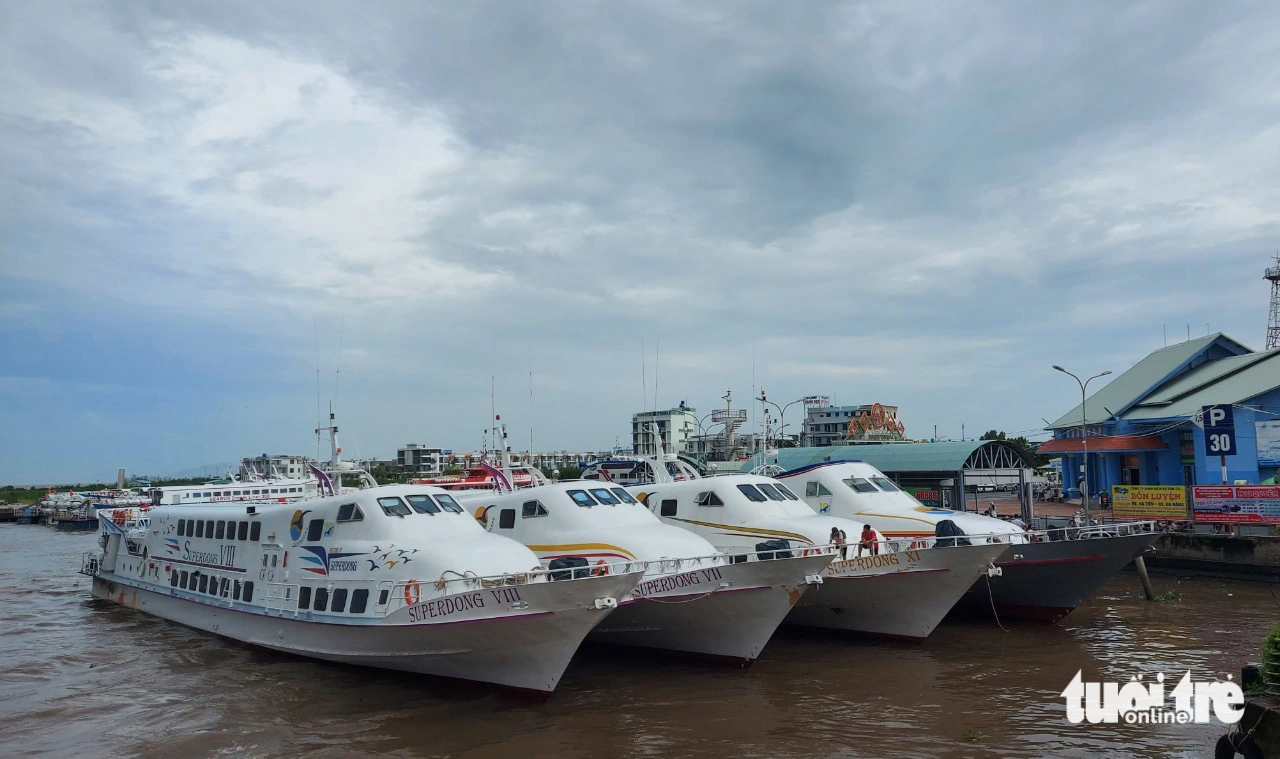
x=1168 y=597
x=973 y=735
x=1021 y=442
x=1270 y=674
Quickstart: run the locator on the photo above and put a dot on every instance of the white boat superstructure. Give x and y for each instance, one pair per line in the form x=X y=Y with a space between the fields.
x=885 y=588
x=692 y=598
x=1045 y=574
x=399 y=577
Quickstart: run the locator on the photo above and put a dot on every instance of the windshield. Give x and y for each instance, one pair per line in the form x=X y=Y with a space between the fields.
x=448 y=504
x=769 y=490
x=604 y=496
x=860 y=484
x=783 y=489
x=750 y=492
x=581 y=498
x=623 y=495
x=423 y=504
x=885 y=484
x=393 y=506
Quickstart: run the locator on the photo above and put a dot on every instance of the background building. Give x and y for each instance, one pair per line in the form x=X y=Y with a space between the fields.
x=839 y=425
x=283 y=465
x=676 y=426
x=1142 y=428
x=420 y=459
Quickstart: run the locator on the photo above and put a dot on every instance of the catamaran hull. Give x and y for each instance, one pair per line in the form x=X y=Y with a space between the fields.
x=729 y=615
x=1044 y=582
x=902 y=596
x=525 y=651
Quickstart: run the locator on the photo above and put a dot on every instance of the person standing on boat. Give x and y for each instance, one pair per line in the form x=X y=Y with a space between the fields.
x=837 y=540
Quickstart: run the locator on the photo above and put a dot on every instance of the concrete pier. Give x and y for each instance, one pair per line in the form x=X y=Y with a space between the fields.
x=1254 y=556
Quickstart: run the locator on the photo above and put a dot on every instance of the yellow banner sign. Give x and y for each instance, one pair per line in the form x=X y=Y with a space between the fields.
x=1149 y=501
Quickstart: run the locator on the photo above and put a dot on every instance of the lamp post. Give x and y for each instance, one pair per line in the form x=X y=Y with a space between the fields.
x=782 y=410
x=1084 y=434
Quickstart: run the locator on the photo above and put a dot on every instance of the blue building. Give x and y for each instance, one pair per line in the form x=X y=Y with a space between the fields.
x=1141 y=428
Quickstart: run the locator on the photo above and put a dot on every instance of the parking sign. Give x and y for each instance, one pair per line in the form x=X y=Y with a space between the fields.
x=1219 y=430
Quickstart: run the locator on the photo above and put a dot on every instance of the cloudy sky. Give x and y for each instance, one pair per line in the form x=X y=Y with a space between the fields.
x=922 y=204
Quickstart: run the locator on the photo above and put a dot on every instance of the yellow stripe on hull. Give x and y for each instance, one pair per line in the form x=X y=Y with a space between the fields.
x=583 y=547
x=751 y=532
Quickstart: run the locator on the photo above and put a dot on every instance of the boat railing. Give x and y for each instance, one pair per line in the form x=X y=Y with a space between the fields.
x=89 y=563
x=1073 y=530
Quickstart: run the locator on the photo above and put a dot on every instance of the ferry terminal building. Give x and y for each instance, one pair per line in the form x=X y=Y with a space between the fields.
x=1141 y=428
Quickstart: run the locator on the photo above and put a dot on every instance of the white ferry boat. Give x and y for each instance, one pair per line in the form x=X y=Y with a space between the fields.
x=399 y=577
x=692 y=599
x=1043 y=577
x=885 y=588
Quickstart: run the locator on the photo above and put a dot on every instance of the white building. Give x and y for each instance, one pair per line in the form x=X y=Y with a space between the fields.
x=266 y=465
x=676 y=426
x=421 y=459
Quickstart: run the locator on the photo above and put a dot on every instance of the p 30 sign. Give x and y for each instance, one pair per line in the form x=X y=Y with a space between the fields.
x=1219 y=430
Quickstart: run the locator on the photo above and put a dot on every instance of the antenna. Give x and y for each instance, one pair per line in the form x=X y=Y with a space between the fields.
x=1272 y=275
x=644 y=380
x=316 y=326
x=657 y=354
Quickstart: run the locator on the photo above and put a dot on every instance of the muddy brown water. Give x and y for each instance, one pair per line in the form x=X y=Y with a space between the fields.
x=86 y=678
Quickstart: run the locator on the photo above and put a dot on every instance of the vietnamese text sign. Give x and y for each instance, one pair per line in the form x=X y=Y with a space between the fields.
x=1149 y=501
x=1268 y=433
x=1240 y=504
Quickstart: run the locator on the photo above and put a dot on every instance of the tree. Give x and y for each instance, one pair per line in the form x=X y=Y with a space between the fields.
x=1026 y=446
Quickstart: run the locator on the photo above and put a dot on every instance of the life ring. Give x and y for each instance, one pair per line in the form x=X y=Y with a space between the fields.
x=601 y=568
x=412 y=592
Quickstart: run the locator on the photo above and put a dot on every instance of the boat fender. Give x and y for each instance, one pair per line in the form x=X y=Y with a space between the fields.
x=412 y=592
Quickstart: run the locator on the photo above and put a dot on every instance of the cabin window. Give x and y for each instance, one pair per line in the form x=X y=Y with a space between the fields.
x=237 y=492
x=339 y=600
x=274 y=559
x=812 y=489
x=208 y=528
x=709 y=498
x=315 y=529
x=533 y=509
x=860 y=484
x=604 y=496
x=182 y=528
x=623 y=495
x=220 y=529
x=581 y=498
x=199 y=529
x=235 y=591
x=668 y=508
x=885 y=484
x=255 y=531
x=382 y=597
x=359 y=600
x=783 y=489
x=182 y=583
x=248 y=591
x=226 y=587
x=349 y=512
x=448 y=504
x=423 y=504
x=275 y=491
x=769 y=491
x=322 y=599
x=304 y=597
x=242 y=531
x=204 y=583
x=507 y=519
x=173 y=580
x=394 y=507
x=751 y=493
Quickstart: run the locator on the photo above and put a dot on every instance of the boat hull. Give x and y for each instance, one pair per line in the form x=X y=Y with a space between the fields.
x=1044 y=582
x=525 y=651
x=728 y=615
x=901 y=596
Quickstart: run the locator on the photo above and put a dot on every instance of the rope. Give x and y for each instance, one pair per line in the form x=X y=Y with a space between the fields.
x=992 y=596
x=685 y=601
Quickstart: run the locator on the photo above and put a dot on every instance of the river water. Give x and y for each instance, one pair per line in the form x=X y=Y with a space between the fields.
x=87 y=678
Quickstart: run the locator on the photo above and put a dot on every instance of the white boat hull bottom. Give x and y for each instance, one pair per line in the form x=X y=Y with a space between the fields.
x=729 y=614
x=904 y=598
x=526 y=652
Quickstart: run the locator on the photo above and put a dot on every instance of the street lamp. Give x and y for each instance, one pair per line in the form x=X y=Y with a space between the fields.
x=1084 y=434
x=782 y=410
